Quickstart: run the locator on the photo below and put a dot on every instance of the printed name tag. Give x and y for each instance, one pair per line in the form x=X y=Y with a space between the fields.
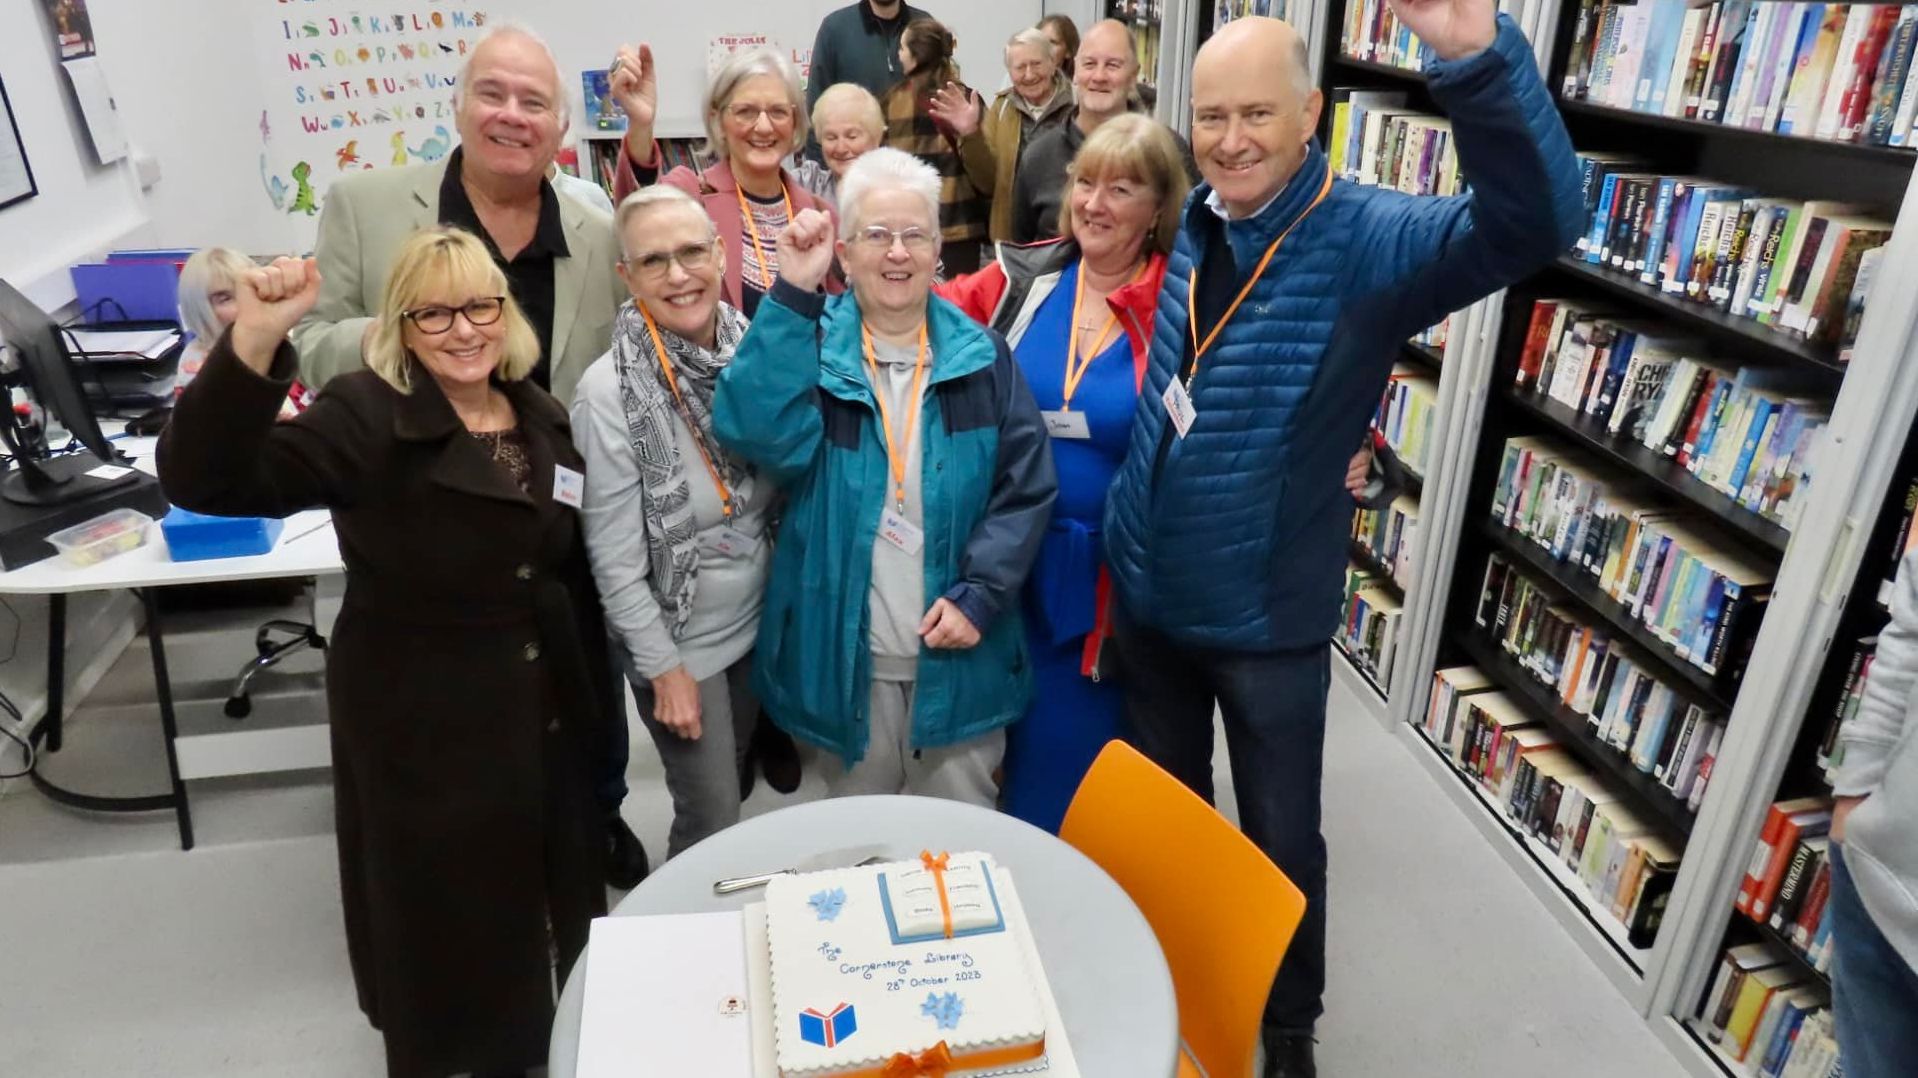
x=569 y=486
x=1179 y=407
x=729 y=542
x=901 y=532
x=1063 y=424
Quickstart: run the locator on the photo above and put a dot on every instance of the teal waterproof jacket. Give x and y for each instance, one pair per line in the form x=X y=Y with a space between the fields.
x=795 y=401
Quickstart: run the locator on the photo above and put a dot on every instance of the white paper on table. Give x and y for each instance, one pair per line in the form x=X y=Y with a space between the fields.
x=656 y=998
x=102 y=116
x=125 y=343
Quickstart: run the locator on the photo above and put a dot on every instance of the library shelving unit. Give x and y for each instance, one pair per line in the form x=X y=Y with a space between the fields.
x=1792 y=655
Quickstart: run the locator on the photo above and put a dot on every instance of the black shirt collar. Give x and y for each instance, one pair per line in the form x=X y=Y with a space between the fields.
x=549 y=236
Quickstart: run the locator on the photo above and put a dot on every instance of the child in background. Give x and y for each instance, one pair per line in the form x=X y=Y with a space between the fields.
x=207 y=308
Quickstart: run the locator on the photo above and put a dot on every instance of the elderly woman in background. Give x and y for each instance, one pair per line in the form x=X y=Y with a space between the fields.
x=915 y=467
x=925 y=54
x=675 y=524
x=460 y=672
x=846 y=121
x=755 y=120
x=209 y=302
x=991 y=141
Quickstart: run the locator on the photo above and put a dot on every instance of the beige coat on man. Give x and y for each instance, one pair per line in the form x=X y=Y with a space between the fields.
x=368 y=216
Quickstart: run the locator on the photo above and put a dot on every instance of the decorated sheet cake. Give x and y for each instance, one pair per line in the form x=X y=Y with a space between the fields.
x=901 y=969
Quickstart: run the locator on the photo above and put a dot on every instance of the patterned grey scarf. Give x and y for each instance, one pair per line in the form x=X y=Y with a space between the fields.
x=672 y=547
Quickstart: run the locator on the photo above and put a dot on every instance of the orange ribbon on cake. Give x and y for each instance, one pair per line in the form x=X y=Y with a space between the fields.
x=937 y=866
x=934 y=1062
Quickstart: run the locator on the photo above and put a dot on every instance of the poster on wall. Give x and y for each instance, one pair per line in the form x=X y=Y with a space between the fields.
x=721 y=48
x=97 y=108
x=16 y=174
x=348 y=89
x=72 y=29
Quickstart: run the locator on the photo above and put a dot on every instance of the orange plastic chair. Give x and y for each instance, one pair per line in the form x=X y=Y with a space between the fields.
x=1224 y=914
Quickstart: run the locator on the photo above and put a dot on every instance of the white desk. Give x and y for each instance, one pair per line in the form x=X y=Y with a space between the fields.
x=1111 y=979
x=306 y=547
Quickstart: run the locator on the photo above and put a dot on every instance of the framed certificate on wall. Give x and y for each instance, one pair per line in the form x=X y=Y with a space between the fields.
x=16 y=175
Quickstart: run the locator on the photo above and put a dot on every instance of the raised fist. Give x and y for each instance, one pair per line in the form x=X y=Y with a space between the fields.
x=272 y=300
x=806 y=249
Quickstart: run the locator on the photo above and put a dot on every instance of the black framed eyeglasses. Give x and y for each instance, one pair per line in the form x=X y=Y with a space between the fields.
x=483 y=311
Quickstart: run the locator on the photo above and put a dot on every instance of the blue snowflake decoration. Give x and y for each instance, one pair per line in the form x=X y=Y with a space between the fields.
x=945 y=1010
x=827 y=904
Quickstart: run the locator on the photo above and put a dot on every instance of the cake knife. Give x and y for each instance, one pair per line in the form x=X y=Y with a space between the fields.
x=835 y=859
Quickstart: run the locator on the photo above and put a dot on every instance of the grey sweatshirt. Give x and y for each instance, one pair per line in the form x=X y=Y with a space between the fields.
x=897 y=597
x=731 y=588
x=1880 y=763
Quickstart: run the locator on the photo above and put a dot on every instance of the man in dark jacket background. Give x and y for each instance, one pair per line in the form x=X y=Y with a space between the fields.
x=1285 y=298
x=859 y=43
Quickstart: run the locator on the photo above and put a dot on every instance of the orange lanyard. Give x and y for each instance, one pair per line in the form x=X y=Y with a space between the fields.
x=1192 y=286
x=896 y=456
x=672 y=383
x=1075 y=367
x=752 y=227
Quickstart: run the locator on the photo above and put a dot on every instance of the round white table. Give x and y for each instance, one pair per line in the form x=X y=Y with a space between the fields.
x=1104 y=963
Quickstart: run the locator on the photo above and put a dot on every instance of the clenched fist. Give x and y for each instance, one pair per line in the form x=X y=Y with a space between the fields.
x=272 y=300
x=806 y=249
x=634 y=84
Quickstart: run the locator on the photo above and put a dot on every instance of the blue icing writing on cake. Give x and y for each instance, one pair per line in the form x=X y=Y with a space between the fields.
x=934 y=969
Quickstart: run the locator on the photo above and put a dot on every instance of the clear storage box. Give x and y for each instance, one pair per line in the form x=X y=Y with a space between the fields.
x=102 y=537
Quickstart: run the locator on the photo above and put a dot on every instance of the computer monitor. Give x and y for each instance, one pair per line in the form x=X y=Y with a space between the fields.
x=46 y=371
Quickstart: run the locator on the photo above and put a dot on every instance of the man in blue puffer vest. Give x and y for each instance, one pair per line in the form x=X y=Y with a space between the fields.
x=1286 y=297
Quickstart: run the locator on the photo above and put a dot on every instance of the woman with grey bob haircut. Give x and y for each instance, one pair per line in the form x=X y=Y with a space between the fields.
x=755 y=118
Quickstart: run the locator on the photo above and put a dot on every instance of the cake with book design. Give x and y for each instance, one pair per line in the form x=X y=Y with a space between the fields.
x=902 y=969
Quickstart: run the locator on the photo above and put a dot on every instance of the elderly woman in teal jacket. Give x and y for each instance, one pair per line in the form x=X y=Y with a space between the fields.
x=919 y=481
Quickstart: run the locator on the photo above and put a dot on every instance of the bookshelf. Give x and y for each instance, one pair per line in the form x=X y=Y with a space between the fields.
x=1828 y=561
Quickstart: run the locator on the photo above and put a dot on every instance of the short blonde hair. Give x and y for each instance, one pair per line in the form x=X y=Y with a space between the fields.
x=441 y=257
x=654 y=197
x=208 y=271
x=1139 y=148
x=744 y=65
x=851 y=97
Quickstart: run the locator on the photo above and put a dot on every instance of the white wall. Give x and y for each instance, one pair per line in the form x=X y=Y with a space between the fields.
x=191 y=93
x=82 y=208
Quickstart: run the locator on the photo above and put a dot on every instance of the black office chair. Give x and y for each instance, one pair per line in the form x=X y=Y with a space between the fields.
x=270 y=651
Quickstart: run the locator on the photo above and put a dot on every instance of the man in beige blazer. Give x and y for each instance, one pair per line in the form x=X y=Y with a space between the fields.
x=558 y=255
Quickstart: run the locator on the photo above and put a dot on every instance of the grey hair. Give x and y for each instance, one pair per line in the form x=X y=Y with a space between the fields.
x=207 y=271
x=652 y=198
x=885 y=169
x=1033 y=38
x=499 y=28
x=743 y=65
x=1301 y=72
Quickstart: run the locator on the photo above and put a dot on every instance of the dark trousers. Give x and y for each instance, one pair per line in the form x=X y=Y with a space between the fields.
x=609 y=779
x=1274 y=709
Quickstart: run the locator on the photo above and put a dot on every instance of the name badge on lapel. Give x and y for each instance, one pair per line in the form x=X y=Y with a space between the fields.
x=569 y=486
x=1065 y=424
x=894 y=528
x=1178 y=407
x=728 y=542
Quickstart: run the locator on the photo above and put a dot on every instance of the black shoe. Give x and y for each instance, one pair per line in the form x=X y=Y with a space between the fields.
x=626 y=863
x=1289 y=1055
x=778 y=756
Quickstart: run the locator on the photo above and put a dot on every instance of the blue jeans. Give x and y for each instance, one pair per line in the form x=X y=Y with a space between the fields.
x=1874 y=992
x=1273 y=704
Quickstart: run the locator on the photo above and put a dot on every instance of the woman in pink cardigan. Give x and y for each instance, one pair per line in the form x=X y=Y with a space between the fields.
x=755 y=119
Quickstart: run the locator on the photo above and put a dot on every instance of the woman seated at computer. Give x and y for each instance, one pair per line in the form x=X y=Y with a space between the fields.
x=461 y=673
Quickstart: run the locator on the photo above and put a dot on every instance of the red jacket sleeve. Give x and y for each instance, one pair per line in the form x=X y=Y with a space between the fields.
x=977 y=294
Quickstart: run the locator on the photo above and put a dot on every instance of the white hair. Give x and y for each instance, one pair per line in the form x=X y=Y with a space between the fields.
x=654 y=197
x=885 y=169
x=499 y=28
x=743 y=65
x=208 y=270
x=1032 y=38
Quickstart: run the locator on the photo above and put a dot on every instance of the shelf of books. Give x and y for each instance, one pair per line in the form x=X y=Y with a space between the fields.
x=1641 y=430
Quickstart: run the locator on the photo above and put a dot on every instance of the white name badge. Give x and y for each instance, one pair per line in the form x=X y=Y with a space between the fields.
x=1066 y=424
x=1179 y=407
x=729 y=542
x=900 y=532
x=569 y=486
